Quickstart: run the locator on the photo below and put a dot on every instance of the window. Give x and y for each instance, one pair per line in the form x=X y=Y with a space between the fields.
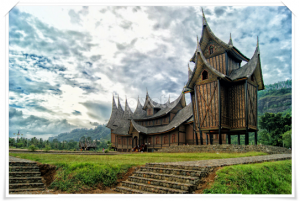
x=173 y=138
x=165 y=140
x=124 y=141
x=157 y=140
x=211 y=49
x=149 y=140
x=252 y=78
x=119 y=140
x=149 y=111
x=204 y=75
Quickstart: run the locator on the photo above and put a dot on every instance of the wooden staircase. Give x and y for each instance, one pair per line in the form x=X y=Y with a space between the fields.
x=157 y=178
x=24 y=177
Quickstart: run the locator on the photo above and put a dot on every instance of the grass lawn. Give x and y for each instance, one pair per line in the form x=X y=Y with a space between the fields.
x=259 y=178
x=87 y=171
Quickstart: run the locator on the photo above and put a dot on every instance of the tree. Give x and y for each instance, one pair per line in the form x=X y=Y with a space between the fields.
x=274 y=126
x=287 y=139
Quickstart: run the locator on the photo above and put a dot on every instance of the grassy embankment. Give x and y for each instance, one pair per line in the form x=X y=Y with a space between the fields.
x=76 y=172
x=260 y=178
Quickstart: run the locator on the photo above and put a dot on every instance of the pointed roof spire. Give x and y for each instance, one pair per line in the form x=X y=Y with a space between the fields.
x=189 y=71
x=257 y=45
x=119 y=104
x=113 y=115
x=203 y=18
x=230 y=41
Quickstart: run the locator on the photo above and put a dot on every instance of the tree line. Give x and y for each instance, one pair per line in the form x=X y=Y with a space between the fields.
x=55 y=144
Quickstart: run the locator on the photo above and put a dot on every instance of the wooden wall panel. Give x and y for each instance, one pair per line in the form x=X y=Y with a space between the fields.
x=252 y=110
x=236 y=106
x=207 y=95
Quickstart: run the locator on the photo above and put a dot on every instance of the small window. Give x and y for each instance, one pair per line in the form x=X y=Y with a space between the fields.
x=165 y=140
x=211 y=49
x=156 y=139
x=252 y=78
x=173 y=138
x=204 y=75
x=149 y=111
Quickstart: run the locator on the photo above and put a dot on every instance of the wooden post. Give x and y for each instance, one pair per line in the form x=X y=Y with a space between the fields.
x=169 y=140
x=127 y=143
x=206 y=138
x=196 y=102
x=219 y=90
x=178 y=136
x=161 y=141
x=194 y=117
x=239 y=139
x=229 y=138
x=210 y=137
x=147 y=142
x=246 y=113
x=255 y=135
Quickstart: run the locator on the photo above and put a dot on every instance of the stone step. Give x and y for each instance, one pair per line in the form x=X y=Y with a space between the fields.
x=22 y=164
x=13 y=180
x=26 y=186
x=163 y=183
x=152 y=188
x=168 y=177
x=24 y=174
x=193 y=173
x=182 y=167
x=126 y=190
x=25 y=190
x=24 y=169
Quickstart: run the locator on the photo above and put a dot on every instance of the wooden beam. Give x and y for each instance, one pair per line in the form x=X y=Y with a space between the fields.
x=229 y=138
x=246 y=113
x=239 y=139
x=220 y=113
x=198 y=116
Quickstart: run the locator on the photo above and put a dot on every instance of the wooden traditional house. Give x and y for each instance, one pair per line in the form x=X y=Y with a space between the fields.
x=223 y=102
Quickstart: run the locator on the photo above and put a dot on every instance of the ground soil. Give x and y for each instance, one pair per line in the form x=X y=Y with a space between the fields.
x=207 y=181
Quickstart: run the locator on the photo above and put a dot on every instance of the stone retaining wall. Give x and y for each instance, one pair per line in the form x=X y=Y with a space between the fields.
x=225 y=148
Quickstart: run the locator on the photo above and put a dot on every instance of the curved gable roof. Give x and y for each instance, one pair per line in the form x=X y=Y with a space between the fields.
x=182 y=116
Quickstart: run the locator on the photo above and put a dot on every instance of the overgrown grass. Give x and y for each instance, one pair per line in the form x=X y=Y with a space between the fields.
x=260 y=178
x=76 y=172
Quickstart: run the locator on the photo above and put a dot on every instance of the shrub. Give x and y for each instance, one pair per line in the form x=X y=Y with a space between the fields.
x=32 y=148
x=47 y=148
x=106 y=151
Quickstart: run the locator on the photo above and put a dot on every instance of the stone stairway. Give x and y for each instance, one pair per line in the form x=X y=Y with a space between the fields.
x=24 y=175
x=182 y=177
x=157 y=178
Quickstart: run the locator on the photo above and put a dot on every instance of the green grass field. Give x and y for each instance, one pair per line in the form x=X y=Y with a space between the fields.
x=87 y=171
x=259 y=178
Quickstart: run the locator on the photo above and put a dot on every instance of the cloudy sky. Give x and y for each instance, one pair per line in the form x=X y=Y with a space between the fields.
x=65 y=62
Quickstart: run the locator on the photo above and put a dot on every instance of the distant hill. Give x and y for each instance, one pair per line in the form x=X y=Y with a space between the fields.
x=275 y=98
x=100 y=133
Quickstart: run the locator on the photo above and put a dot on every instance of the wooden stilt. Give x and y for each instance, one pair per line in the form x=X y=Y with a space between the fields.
x=239 y=139
x=255 y=137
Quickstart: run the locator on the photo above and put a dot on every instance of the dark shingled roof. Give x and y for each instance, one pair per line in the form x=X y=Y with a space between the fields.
x=229 y=47
x=189 y=72
x=113 y=114
x=139 y=112
x=253 y=67
x=164 y=109
x=182 y=115
x=246 y=70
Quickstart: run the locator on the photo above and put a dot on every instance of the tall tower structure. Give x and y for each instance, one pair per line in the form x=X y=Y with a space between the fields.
x=223 y=93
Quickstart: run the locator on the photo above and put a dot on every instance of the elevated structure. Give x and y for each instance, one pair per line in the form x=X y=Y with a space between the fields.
x=223 y=102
